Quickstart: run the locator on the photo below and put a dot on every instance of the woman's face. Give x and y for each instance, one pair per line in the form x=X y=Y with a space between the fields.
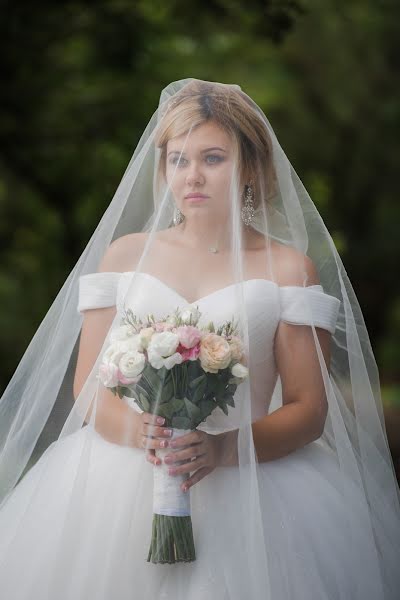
x=200 y=177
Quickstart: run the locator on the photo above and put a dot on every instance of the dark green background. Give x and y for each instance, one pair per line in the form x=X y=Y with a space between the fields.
x=79 y=82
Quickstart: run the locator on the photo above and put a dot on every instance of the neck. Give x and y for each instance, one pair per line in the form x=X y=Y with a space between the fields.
x=204 y=234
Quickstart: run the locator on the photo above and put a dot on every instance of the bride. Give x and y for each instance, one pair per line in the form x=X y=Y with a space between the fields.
x=290 y=490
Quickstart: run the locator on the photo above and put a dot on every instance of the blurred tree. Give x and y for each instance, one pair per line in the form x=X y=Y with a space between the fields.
x=80 y=81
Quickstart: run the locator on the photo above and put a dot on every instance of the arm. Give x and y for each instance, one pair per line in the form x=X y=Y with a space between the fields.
x=300 y=420
x=114 y=419
x=302 y=416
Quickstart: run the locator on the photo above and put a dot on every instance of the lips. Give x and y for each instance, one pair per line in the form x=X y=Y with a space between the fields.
x=195 y=195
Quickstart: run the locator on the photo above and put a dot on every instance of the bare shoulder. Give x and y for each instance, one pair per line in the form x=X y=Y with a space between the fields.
x=123 y=253
x=292 y=267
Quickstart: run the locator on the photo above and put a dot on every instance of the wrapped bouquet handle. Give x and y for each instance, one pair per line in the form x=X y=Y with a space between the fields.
x=172 y=535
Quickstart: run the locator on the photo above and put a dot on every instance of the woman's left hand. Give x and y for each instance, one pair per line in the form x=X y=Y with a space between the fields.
x=201 y=453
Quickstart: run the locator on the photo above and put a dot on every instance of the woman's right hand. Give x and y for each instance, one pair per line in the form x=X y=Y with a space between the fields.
x=152 y=435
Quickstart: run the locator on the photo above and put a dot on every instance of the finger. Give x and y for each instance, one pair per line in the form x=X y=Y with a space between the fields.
x=155 y=431
x=187 y=453
x=152 y=458
x=152 y=419
x=153 y=443
x=194 y=437
x=195 y=478
x=187 y=467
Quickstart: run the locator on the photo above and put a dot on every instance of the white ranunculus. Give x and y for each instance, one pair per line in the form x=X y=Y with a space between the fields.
x=239 y=370
x=132 y=364
x=190 y=315
x=122 y=333
x=163 y=343
x=171 y=320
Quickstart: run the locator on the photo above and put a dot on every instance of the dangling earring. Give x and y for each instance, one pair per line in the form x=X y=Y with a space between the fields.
x=247 y=211
x=178 y=216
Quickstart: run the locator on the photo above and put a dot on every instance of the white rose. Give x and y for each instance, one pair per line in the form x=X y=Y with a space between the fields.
x=114 y=353
x=190 y=315
x=239 y=370
x=122 y=333
x=173 y=360
x=132 y=364
x=145 y=336
x=163 y=343
x=157 y=361
x=108 y=374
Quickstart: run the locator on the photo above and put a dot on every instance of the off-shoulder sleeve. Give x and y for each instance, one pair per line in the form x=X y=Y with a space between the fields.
x=309 y=306
x=98 y=290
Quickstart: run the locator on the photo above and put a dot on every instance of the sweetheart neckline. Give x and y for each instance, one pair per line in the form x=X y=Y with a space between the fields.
x=171 y=289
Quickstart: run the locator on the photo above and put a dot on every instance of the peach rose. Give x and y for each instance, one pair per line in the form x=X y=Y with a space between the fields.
x=236 y=347
x=215 y=353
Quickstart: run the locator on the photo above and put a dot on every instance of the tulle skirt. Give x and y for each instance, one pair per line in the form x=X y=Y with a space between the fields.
x=78 y=527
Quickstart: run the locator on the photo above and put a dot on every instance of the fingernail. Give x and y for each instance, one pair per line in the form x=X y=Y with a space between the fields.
x=185 y=488
x=164 y=443
x=160 y=420
x=167 y=431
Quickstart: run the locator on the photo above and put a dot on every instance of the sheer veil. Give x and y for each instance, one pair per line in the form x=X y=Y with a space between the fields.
x=47 y=403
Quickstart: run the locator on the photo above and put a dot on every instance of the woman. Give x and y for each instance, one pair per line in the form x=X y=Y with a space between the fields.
x=291 y=488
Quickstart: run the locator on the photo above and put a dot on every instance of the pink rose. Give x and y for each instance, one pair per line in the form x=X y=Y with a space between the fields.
x=236 y=347
x=127 y=380
x=189 y=336
x=189 y=353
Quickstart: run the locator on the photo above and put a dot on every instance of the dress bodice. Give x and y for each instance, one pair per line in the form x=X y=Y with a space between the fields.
x=265 y=303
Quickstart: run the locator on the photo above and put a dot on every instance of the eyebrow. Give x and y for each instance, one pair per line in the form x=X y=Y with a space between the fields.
x=202 y=151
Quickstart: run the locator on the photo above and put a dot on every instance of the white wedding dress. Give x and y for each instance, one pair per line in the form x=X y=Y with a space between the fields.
x=311 y=553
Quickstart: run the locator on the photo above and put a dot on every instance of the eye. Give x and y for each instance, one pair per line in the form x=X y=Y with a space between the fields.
x=213 y=159
x=176 y=160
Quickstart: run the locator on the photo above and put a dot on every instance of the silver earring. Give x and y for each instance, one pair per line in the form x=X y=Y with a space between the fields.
x=178 y=216
x=247 y=211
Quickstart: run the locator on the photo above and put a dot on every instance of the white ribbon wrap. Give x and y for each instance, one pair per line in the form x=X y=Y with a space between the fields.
x=168 y=498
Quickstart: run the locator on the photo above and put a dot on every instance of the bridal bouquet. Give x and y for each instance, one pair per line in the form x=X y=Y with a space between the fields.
x=180 y=371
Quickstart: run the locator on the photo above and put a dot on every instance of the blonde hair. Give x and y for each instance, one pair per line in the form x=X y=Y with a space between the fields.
x=231 y=109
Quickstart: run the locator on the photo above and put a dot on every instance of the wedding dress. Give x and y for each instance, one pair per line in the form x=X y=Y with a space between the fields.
x=209 y=201
x=316 y=553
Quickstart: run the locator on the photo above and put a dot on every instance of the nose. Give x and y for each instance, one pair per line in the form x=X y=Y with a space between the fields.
x=194 y=175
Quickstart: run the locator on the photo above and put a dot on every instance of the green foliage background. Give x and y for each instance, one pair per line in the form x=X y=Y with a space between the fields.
x=80 y=81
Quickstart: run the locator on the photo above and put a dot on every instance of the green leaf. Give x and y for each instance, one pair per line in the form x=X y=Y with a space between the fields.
x=195 y=382
x=181 y=423
x=167 y=392
x=193 y=411
x=199 y=390
x=206 y=408
x=151 y=378
x=223 y=406
x=126 y=391
x=229 y=400
x=144 y=402
x=168 y=409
